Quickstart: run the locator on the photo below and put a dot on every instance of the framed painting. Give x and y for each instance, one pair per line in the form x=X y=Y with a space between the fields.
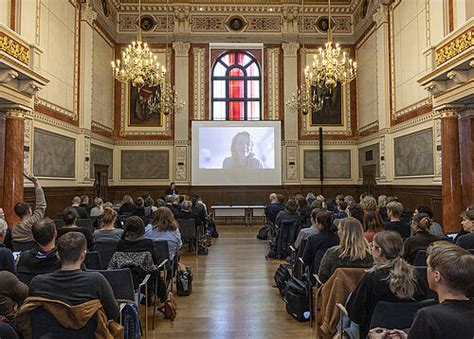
x=145 y=106
x=330 y=113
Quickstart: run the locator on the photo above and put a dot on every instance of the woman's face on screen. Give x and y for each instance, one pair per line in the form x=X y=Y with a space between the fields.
x=243 y=146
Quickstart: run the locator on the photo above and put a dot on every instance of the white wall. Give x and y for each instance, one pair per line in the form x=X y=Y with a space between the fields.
x=366 y=82
x=103 y=82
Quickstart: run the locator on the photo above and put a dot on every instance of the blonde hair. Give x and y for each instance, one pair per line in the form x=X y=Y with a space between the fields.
x=127 y=198
x=396 y=208
x=98 y=202
x=109 y=216
x=353 y=243
x=368 y=203
x=402 y=276
x=164 y=220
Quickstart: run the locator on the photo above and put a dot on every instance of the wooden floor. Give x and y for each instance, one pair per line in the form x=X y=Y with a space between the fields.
x=232 y=294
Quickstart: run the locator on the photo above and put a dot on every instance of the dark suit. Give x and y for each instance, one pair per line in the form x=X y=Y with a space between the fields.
x=81 y=211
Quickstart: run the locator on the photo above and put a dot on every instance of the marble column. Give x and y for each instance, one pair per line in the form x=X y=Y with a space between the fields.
x=466 y=148
x=451 y=169
x=13 y=167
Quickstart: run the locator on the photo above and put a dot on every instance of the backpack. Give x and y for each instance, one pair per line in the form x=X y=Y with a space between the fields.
x=282 y=275
x=184 y=282
x=297 y=299
x=211 y=227
x=170 y=308
x=131 y=322
x=202 y=249
x=263 y=233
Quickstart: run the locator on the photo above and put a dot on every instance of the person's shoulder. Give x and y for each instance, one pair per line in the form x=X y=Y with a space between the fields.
x=5 y=251
x=228 y=162
x=7 y=277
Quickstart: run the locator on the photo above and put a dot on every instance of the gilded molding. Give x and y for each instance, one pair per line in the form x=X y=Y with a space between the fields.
x=381 y=15
x=8 y=75
x=448 y=112
x=369 y=126
x=199 y=83
x=454 y=47
x=14 y=49
x=181 y=48
x=290 y=49
x=101 y=127
x=273 y=83
x=16 y=113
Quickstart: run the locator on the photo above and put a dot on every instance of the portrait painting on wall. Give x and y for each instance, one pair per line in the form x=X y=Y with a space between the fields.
x=145 y=106
x=330 y=112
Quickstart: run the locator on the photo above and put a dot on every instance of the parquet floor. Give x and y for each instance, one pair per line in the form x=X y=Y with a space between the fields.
x=232 y=294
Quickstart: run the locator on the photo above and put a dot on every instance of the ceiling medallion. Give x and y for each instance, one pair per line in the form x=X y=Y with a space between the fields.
x=147 y=23
x=236 y=23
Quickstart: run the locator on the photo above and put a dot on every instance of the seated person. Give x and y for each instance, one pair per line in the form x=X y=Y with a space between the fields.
x=108 y=232
x=422 y=238
x=98 y=209
x=276 y=206
x=290 y=213
x=81 y=211
x=171 y=190
x=69 y=217
x=165 y=227
x=6 y=256
x=150 y=207
x=133 y=240
x=22 y=230
x=326 y=238
x=467 y=240
x=390 y=279
x=186 y=212
x=435 y=228
x=372 y=224
x=43 y=258
x=12 y=294
x=352 y=251
x=139 y=207
x=305 y=212
x=199 y=210
x=394 y=213
x=171 y=203
x=305 y=233
x=127 y=206
x=355 y=210
x=72 y=285
x=85 y=204
x=450 y=274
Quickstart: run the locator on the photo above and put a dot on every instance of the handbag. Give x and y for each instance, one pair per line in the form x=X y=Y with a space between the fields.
x=169 y=309
x=184 y=281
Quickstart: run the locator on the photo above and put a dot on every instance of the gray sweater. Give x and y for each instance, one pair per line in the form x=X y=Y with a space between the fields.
x=22 y=230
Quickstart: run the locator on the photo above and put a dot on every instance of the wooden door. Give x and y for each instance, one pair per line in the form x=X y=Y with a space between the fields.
x=368 y=178
x=101 y=181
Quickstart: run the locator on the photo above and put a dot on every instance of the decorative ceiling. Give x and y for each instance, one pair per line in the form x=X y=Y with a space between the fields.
x=253 y=2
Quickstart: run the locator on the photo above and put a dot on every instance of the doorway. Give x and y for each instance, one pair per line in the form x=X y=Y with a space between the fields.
x=101 y=181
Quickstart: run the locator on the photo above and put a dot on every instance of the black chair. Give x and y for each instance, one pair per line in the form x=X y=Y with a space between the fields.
x=397 y=314
x=93 y=261
x=122 y=219
x=7 y=331
x=86 y=223
x=94 y=222
x=121 y=281
x=106 y=250
x=59 y=215
x=59 y=223
x=44 y=325
x=20 y=246
x=420 y=258
x=187 y=228
x=421 y=276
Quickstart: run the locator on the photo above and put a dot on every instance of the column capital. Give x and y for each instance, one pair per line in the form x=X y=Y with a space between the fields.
x=448 y=111
x=88 y=13
x=290 y=49
x=17 y=113
x=181 y=48
x=381 y=15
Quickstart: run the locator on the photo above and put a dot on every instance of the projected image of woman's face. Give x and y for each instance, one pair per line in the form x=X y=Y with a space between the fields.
x=243 y=146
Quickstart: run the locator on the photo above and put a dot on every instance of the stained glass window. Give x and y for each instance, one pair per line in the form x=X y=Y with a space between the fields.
x=236 y=87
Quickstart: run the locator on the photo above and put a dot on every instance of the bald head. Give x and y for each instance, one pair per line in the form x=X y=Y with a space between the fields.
x=76 y=200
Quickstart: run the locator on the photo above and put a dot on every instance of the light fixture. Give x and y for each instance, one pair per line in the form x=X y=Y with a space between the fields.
x=138 y=65
x=329 y=68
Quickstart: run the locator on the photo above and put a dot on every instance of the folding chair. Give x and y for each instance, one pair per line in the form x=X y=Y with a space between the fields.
x=121 y=282
x=106 y=250
x=188 y=230
x=20 y=246
x=93 y=261
x=420 y=258
x=86 y=223
x=59 y=223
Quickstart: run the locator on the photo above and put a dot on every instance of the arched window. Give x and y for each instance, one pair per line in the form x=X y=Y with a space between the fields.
x=236 y=87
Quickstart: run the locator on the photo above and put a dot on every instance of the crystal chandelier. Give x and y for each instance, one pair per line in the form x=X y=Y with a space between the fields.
x=329 y=68
x=138 y=65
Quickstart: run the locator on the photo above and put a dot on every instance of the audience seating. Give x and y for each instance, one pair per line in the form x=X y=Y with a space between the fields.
x=420 y=258
x=93 y=261
x=122 y=219
x=59 y=223
x=121 y=282
x=106 y=250
x=44 y=325
x=7 y=331
x=20 y=246
x=421 y=274
x=187 y=228
x=397 y=314
x=86 y=223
